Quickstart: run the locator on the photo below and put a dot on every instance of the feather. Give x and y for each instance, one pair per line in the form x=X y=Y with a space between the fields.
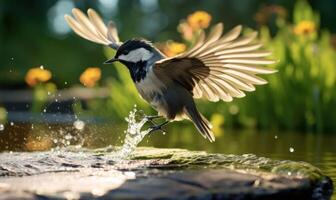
x=255 y=54
x=92 y=27
x=230 y=65
x=213 y=36
x=259 y=61
x=87 y=26
x=97 y=21
x=251 y=69
x=76 y=27
x=246 y=48
x=112 y=33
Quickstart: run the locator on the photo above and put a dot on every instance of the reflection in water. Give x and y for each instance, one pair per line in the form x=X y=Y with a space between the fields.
x=318 y=149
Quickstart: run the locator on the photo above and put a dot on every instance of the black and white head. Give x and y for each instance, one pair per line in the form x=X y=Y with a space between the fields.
x=134 y=52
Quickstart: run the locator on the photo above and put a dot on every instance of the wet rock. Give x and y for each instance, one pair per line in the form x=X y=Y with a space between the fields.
x=152 y=173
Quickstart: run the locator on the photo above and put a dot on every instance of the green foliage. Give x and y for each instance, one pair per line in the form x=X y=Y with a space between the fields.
x=3 y=115
x=41 y=93
x=301 y=95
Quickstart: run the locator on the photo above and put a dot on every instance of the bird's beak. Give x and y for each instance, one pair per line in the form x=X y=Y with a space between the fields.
x=111 y=60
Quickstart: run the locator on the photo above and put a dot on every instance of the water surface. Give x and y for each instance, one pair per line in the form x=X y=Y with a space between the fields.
x=317 y=149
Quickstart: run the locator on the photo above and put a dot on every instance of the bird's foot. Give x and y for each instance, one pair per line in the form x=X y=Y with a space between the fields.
x=158 y=127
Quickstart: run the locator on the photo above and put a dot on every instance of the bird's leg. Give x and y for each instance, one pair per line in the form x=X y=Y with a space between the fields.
x=152 y=117
x=158 y=127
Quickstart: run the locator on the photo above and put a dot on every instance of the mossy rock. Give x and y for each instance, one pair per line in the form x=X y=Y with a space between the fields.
x=153 y=173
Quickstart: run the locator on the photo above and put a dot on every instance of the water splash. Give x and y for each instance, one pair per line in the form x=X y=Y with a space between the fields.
x=134 y=135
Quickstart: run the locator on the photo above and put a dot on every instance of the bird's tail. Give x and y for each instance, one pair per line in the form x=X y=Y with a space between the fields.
x=200 y=122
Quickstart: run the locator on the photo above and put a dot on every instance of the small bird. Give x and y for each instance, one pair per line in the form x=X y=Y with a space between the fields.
x=217 y=67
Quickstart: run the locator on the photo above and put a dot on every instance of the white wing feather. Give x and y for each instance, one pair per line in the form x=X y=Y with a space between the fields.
x=92 y=27
x=233 y=62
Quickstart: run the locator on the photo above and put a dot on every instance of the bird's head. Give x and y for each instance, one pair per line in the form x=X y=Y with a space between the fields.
x=134 y=52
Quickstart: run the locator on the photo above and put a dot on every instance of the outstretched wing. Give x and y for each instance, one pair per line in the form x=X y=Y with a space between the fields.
x=218 y=67
x=92 y=27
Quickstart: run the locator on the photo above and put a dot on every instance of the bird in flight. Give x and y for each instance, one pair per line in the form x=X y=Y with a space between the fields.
x=218 y=67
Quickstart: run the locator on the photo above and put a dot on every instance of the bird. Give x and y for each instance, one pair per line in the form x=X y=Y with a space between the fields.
x=217 y=67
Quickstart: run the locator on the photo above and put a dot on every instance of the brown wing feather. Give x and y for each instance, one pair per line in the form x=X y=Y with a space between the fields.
x=218 y=67
x=181 y=71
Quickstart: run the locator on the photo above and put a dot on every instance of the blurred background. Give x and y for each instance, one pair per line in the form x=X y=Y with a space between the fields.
x=54 y=90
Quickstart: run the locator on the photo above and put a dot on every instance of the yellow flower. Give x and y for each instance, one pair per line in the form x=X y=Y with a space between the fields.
x=90 y=76
x=37 y=75
x=217 y=121
x=186 y=30
x=173 y=48
x=199 y=19
x=304 y=27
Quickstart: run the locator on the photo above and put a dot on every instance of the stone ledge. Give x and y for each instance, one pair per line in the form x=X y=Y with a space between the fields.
x=152 y=173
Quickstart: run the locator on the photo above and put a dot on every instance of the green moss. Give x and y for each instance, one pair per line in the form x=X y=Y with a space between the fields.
x=300 y=169
x=180 y=158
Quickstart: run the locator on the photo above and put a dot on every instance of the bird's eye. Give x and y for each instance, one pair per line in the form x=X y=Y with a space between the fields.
x=126 y=52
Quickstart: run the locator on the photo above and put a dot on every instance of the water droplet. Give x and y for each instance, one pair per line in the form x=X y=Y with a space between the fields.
x=41 y=67
x=79 y=125
x=134 y=134
x=2 y=127
x=68 y=137
x=65 y=83
x=12 y=123
x=291 y=149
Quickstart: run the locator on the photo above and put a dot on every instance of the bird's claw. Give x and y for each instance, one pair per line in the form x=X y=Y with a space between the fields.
x=156 y=128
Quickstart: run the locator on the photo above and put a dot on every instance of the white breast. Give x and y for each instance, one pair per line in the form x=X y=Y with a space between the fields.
x=149 y=85
x=150 y=88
